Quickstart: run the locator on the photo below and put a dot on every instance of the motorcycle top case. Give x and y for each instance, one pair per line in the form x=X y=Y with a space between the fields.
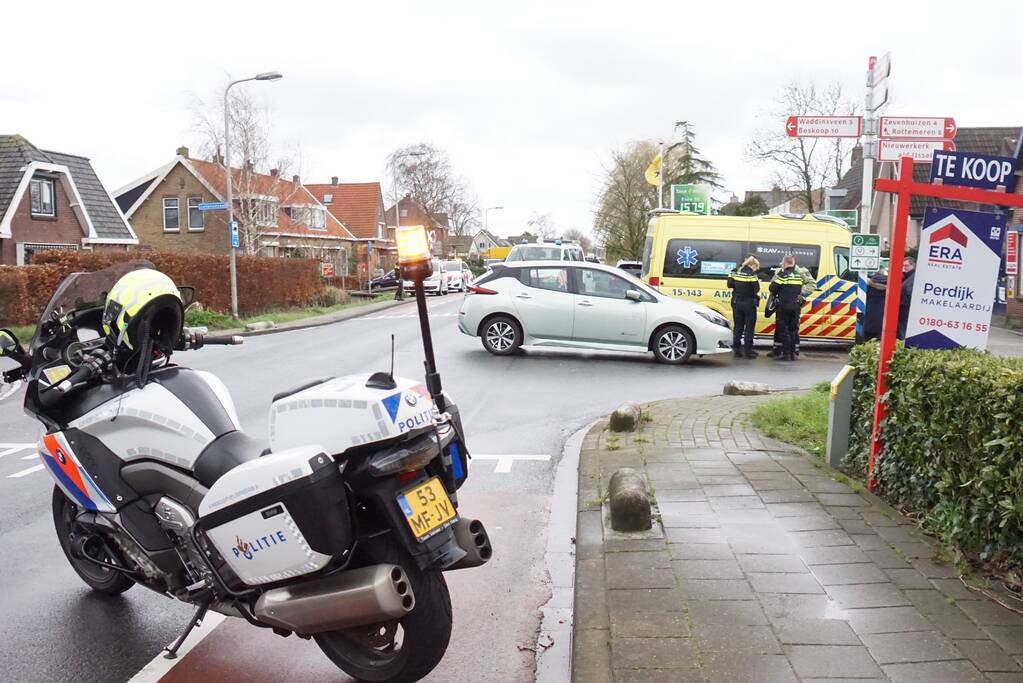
x=343 y=413
x=279 y=516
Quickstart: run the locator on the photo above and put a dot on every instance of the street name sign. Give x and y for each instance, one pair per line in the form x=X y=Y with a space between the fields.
x=919 y=150
x=823 y=126
x=212 y=206
x=956 y=277
x=967 y=169
x=917 y=128
x=865 y=254
x=691 y=197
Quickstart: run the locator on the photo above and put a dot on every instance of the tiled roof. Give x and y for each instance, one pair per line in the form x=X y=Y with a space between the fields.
x=16 y=152
x=356 y=204
x=286 y=192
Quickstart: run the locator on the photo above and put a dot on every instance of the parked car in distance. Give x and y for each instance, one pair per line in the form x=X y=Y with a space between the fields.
x=545 y=251
x=388 y=279
x=437 y=283
x=592 y=258
x=458 y=275
x=586 y=305
x=633 y=268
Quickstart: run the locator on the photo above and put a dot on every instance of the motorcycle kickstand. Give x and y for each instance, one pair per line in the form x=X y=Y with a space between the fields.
x=197 y=616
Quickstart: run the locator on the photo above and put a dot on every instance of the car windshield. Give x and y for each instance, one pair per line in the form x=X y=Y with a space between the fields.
x=452 y=266
x=80 y=291
x=535 y=252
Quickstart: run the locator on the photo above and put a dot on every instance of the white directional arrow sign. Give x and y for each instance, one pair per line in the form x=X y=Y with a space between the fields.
x=823 y=126
x=918 y=127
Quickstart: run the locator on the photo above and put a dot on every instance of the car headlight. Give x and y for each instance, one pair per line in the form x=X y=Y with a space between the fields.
x=714 y=318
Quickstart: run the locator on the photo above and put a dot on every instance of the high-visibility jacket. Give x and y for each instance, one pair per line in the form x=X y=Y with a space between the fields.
x=787 y=285
x=745 y=285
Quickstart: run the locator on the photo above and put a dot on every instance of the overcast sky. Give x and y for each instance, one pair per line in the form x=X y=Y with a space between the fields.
x=527 y=98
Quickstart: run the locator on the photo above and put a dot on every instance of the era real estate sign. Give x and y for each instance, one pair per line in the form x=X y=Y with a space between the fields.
x=955 y=280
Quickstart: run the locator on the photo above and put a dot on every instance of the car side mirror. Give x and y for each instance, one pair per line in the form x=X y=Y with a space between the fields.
x=634 y=295
x=8 y=343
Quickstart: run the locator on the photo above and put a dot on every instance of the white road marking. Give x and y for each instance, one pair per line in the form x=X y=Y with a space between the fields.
x=10 y=448
x=158 y=668
x=30 y=456
x=29 y=470
x=505 y=460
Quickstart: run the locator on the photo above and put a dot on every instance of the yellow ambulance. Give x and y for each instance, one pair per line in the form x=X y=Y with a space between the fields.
x=689 y=256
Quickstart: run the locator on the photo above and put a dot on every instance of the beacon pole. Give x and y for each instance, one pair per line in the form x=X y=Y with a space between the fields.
x=415 y=261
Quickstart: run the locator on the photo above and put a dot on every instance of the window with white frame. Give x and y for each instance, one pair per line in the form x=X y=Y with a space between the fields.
x=312 y=217
x=43 y=203
x=328 y=198
x=171 y=219
x=195 y=216
x=264 y=212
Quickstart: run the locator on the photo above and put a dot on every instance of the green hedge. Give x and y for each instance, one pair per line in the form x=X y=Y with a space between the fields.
x=953 y=444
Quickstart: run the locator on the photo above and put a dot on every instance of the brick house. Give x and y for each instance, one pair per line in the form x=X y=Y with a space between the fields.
x=278 y=217
x=52 y=200
x=360 y=206
x=411 y=212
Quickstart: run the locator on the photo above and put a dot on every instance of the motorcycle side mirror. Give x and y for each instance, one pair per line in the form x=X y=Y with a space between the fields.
x=187 y=296
x=8 y=343
x=633 y=295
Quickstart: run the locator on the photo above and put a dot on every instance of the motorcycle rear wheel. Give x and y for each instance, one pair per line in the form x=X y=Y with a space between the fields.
x=374 y=653
x=100 y=579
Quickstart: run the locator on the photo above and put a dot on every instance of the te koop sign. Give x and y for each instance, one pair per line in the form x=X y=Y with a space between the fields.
x=974 y=170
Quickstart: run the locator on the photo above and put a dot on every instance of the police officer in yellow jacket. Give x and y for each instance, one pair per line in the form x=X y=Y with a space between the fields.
x=745 y=286
x=809 y=286
x=787 y=286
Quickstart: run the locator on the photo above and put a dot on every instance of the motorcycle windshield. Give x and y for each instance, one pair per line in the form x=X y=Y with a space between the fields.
x=81 y=291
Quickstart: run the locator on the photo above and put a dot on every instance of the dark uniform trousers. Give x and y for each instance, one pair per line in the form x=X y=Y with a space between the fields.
x=744 y=317
x=788 y=329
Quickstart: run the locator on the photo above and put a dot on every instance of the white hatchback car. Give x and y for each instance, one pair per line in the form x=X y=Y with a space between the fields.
x=586 y=305
x=458 y=275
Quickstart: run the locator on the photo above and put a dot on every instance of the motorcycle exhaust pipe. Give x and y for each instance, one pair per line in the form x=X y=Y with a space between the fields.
x=472 y=537
x=350 y=598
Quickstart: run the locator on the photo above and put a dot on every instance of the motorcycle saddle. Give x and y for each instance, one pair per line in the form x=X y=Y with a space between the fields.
x=225 y=453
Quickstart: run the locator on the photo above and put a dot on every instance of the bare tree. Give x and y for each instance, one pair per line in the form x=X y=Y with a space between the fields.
x=424 y=173
x=542 y=225
x=803 y=165
x=261 y=169
x=577 y=235
x=620 y=223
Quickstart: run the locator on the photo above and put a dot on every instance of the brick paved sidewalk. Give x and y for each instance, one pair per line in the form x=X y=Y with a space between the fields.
x=768 y=569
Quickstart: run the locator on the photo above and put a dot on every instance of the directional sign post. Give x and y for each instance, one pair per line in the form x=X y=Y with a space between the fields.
x=823 y=126
x=919 y=150
x=212 y=206
x=866 y=253
x=917 y=128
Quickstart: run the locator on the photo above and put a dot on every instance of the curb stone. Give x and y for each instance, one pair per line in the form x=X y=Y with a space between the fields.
x=317 y=321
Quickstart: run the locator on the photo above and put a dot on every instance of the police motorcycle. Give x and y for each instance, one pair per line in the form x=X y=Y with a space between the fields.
x=338 y=530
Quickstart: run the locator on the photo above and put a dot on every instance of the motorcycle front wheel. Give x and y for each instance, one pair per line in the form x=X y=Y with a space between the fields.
x=98 y=578
x=403 y=650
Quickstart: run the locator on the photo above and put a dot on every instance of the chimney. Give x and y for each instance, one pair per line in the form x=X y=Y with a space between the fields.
x=274 y=172
x=217 y=158
x=333 y=180
x=296 y=180
x=250 y=166
x=182 y=151
x=857 y=154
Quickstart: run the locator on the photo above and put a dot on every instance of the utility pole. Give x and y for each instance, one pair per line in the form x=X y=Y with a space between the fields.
x=265 y=76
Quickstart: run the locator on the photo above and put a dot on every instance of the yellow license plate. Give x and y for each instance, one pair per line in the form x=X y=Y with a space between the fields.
x=427 y=508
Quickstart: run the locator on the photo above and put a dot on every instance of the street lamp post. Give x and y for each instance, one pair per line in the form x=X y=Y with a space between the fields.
x=397 y=214
x=265 y=76
x=486 y=215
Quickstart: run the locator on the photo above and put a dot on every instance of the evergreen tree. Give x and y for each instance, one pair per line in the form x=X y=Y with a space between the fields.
x=686 y=164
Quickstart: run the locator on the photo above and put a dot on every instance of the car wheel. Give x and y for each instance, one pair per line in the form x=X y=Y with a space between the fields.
x=673 y=345
x=501 y=335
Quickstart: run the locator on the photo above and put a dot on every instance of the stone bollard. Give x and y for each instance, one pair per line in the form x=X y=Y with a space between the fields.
x=626 y=417
x=735 y=388
x=262 y=325
x=630 y=506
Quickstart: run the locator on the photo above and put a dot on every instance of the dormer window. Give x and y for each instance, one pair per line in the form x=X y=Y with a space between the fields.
x=42 y=195
x=328 y=198
x=264 y=212
x=313 y=217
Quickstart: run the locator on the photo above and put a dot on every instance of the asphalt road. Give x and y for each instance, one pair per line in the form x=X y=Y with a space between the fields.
x=54 y=629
